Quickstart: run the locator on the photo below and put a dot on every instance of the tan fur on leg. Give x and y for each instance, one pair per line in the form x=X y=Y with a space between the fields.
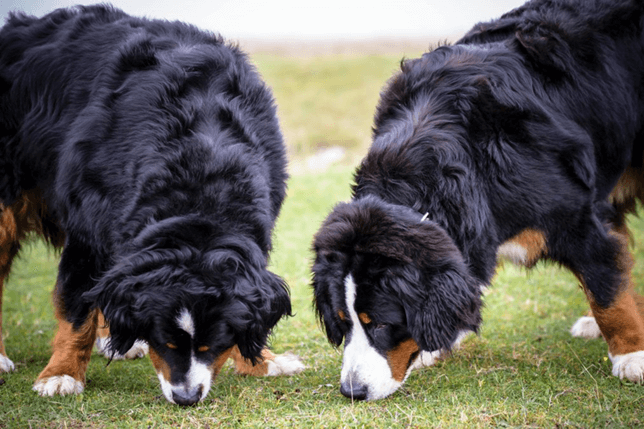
x=16 y=221
x=271 y=364
x=622 y=324
x=138 y=350
x=72 y=349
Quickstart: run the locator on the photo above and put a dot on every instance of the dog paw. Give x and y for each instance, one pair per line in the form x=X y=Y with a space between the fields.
x=426 y=359
x=629 y=366
x=285 y=364
x=138 y=350
x=5 y=364
x=58 y=385
x=586 y=327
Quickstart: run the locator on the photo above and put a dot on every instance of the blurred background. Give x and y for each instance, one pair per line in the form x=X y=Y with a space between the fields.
x=325 y=61
x=297 y=19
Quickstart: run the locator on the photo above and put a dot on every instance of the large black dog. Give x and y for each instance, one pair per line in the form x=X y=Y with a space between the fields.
x=525 y=137
x=151 y=153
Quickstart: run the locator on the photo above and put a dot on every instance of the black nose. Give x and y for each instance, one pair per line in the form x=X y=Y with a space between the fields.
x=183 y=397
x=355 y=391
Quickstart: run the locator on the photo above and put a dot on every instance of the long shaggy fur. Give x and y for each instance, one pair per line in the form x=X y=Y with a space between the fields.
x=158 y=154
x=526 y=123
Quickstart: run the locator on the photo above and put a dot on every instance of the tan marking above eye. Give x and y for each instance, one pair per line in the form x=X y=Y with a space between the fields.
x=342 y=316
x=364 y=318
x=203 y=349
x=170 y=346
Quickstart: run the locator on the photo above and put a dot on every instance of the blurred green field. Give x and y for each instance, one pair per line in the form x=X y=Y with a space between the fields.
x=327 y=101
x=523 y=370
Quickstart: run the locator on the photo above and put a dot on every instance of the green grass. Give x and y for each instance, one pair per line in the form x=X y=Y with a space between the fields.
x=523 y=369
x=327 y=101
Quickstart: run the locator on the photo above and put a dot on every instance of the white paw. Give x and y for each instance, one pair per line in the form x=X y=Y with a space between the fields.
x=426 y=359
x=586 y=327
x=285 y=364
x=58 y=384
x=629 y=366
x=459 y=339
x=138 y=350
x=5 y=364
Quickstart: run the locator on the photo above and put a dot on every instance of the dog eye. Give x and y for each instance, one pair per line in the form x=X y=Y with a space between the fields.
x=170 y=346
x=380 y=326
x=364 y=318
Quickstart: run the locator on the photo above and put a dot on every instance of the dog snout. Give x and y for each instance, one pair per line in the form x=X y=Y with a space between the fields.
x=187 y=397
x=357 y=391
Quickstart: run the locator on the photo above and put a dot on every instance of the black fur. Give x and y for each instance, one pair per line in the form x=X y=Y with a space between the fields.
x=526 y=122
x=390 y=255
x=158 y=152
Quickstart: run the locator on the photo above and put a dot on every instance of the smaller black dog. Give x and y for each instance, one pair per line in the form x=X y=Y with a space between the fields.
x=529 y=131
x=150 y=152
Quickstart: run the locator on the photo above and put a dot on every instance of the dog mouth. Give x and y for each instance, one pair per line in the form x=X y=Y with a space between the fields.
x=355 y=389
x=187 y=397
x=194 y=384
x=193 y=390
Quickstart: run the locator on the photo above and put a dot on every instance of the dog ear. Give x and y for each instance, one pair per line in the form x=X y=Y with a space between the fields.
x=115 y=296
x=260 y=299
x=438 y=306
x=434 y=285
x=361 y=226
x=547 y=47
x=327 y=281
x=427 y=270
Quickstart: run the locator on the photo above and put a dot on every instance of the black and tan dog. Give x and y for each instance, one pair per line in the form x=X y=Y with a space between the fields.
x=526 y=137
x=149 y=152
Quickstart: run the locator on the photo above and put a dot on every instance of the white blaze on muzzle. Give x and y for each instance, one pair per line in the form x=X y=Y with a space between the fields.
x=365 y=372
x=195 y=387
x=198 y=378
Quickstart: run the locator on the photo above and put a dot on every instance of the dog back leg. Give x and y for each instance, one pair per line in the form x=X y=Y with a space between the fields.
x=271 y=364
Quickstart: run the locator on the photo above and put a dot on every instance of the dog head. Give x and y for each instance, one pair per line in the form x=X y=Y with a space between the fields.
x=391 y=286
x=192 y=306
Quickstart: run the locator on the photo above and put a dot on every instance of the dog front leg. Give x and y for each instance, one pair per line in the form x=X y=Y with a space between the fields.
x=271 y=364
x=72 y=349
x=621 y=322
x=5 y=363
x=138 y=350
x=9 y=244
x=5 y=261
